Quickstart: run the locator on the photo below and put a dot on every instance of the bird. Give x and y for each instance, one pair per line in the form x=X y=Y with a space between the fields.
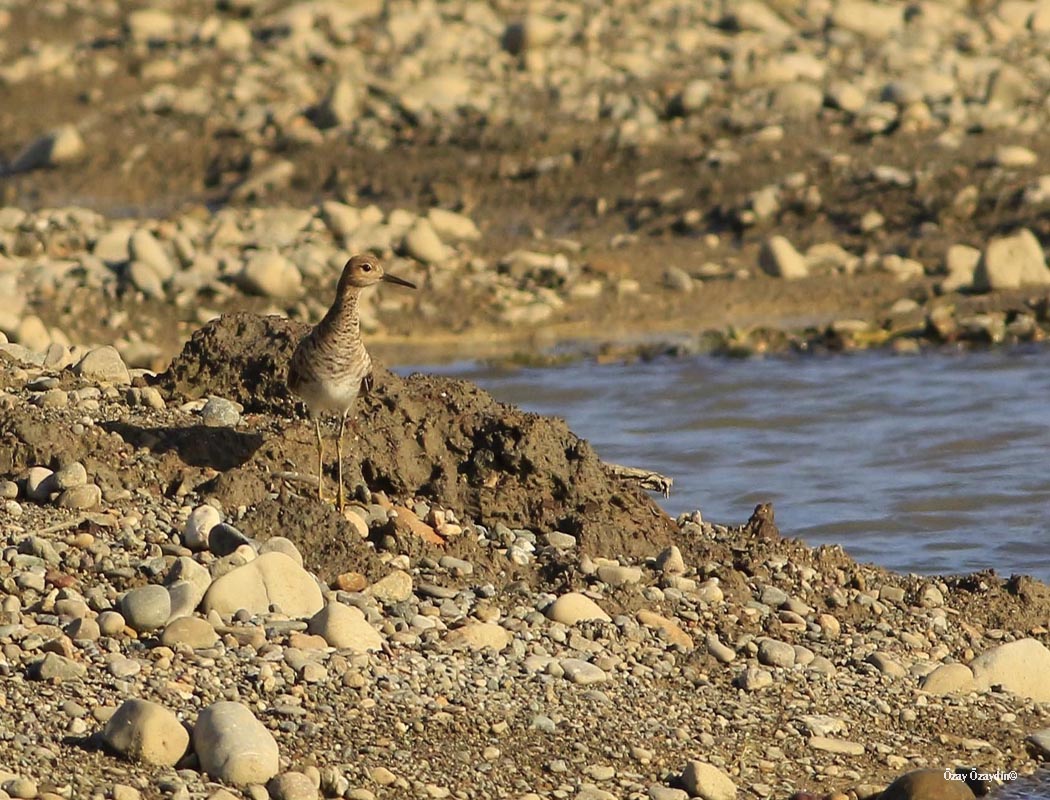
x=330 y=366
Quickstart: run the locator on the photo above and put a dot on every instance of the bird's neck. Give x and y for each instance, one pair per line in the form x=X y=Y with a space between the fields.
x=343 y=317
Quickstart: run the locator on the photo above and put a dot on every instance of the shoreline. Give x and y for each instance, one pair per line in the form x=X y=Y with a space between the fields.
x=782 y=667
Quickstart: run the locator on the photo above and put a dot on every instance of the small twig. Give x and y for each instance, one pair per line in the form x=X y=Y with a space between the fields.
x=646 y=478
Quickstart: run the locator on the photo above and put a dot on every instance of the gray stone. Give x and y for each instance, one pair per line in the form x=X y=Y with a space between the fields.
x=218 y=412
x=281 y=544
x=146 y=608
x=71 y=475
x=838 y=746
x=618 y=575
x=292 y=786
x=145 y=278
x=55 y=667
x=773 y=653
x=144 y=731
x=1039 y=741
x=453 y=227
x=233 y=746
x=224 y=539
x=341 y=105
x=40 y=484
x=144 y=248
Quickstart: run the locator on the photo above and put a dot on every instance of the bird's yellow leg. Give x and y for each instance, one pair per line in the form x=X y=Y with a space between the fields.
x=320 y=460
x=339 y=451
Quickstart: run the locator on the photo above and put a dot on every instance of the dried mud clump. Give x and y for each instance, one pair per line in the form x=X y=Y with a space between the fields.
x=433 y=437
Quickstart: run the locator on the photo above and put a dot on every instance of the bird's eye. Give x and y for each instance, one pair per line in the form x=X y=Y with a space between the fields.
x=366 y=267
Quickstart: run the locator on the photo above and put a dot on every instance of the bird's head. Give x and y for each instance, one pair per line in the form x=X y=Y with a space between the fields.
x=365 y=270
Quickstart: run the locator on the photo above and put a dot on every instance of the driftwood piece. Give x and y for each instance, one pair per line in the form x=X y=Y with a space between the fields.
x=646 y=478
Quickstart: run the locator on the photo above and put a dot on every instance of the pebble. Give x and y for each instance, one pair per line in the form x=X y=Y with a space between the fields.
x=422 y=243
x=145 y=731
x=55 y=667
x=393 y=588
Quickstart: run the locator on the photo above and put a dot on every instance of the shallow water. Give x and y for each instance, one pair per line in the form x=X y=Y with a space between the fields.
x=931 y=464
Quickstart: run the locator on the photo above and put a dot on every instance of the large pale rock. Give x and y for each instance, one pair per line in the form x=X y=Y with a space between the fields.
x=780 y=259
x=271 y=579
x=345 y=626
x=574 y=607
x=1021 y=667
x=144 y=731
x=949 y=679
x=928 y=784
x=270 y=274
x=1010 y=262
x=476 y=635
x=103 y=364
x=60 y=146
x=233 y=746
x=707 y=781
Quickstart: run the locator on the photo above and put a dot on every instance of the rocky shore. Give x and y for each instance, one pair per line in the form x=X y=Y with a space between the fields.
x=499 y=614
x=496 y=615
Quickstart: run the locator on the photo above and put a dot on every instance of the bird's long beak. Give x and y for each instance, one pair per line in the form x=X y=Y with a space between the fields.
x=388 y=278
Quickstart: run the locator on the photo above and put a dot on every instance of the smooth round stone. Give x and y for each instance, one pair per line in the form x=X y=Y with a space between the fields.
x=40 y=483
x=344 y=626
x=146 y=608
x=707 y=781
x=111 y=623
x=81 y=497
x=272 y=579
x=477 y=635
x=270 y=274
x=145 y=731
x=190 y=631
x=20 y=787
x=70 y=476
x=198 y=526
x=574 y=607
x=233 y=746
x=292 y=786
x=219 y=412
x=281 y=544
x=773 y=653
x=103 y=364
x=423 y=243
x=83 y=629
x=224 y=539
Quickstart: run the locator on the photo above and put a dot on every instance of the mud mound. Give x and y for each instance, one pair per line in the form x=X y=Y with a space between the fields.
x=242 y=357
x=442 y=439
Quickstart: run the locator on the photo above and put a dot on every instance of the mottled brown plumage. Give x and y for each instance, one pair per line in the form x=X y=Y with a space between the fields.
x=330 y=366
